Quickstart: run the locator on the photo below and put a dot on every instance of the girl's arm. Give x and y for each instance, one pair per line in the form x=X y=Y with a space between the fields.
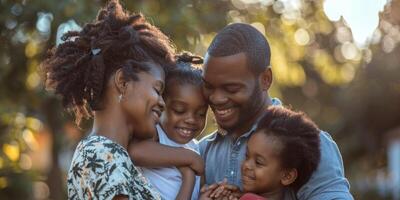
x=188 y=182
x=152 y=154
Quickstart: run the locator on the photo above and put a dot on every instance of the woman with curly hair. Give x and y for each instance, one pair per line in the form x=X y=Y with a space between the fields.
x=113 y=71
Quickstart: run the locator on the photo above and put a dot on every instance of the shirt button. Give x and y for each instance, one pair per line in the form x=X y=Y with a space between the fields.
x=238 y=143
x=232 y=173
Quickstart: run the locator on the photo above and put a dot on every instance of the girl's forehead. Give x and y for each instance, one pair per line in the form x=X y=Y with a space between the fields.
x=267 y=143
x=183 y=90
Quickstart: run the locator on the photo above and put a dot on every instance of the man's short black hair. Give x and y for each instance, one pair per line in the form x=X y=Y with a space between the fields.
x=300 y=141
x=242 y=38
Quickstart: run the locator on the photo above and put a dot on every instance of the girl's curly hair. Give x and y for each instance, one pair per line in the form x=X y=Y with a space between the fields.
x=186 y=71
x=79 y=68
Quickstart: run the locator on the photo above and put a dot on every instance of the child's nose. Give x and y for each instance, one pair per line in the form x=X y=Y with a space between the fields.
x=190 y=119
x=246 y=165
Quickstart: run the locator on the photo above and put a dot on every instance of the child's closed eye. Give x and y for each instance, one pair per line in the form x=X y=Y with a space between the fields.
x=260 y=162
x=202 y=113
x=178 y=111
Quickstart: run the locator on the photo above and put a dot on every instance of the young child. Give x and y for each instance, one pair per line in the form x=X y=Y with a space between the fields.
x=281 y=154
x=183 y=119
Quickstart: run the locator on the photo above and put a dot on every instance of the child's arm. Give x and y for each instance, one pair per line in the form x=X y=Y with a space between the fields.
x=188 y=182
x=152 y=154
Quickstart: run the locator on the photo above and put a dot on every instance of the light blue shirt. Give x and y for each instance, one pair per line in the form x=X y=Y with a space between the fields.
x=223 y=157
x=168 y=180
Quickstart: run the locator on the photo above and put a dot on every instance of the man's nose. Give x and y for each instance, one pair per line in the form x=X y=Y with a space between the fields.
x=218 y=97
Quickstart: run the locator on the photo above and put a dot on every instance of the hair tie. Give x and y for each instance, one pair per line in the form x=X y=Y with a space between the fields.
x=95 y=51
x=188 y=58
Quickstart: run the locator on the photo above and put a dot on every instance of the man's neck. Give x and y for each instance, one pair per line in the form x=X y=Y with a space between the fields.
x=244 y=128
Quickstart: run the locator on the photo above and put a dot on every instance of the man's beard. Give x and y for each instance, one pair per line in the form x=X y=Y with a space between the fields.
x=248 y=111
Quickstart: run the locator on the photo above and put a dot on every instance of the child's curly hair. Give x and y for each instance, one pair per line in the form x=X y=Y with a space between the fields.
x=187 y=71
x=79 y=69
x=300 y=141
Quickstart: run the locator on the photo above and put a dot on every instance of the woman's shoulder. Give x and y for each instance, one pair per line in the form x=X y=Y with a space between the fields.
x=104 y=167
x=101 y=155
x=101 y=144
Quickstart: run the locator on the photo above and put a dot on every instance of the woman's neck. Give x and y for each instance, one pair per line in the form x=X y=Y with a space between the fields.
x=111 y=124
x=274 y=195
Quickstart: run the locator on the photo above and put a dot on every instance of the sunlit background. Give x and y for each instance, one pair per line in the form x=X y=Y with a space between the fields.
x=337 y=60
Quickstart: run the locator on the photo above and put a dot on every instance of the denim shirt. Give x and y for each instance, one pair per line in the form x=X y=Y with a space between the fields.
x=223 y=157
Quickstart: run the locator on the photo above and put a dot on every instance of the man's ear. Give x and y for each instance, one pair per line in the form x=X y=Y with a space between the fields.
x=288 y=176
x=266 y=79
x=119 y=81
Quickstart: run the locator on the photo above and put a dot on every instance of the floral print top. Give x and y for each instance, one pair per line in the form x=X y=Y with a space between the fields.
x=102 y=169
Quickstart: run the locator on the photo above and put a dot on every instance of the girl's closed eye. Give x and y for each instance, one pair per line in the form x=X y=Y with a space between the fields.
x=179 y=110
x=260 y=162
x=202 y=113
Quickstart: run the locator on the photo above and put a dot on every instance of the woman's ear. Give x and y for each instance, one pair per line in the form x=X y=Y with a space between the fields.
x=266 y=79
x=120 y=82
x=288 y=176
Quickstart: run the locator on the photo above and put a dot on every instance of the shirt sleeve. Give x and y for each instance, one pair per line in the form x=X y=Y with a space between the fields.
x=328 y=181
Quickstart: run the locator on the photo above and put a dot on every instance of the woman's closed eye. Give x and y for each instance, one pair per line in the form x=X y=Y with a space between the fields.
x=207 y=86
x=159 y=87
x=158 y=91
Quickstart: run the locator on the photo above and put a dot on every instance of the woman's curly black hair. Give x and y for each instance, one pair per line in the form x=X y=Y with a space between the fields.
x=186 y=71
x=79 y=68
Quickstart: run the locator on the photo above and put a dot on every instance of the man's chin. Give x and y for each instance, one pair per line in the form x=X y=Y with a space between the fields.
x=226 y=126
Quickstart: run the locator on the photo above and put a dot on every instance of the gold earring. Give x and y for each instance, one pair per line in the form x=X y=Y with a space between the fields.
x=119 y=98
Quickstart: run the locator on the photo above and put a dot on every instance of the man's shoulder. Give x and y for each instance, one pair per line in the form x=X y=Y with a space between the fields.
x=328 y=180
x=203 y=143
x=329 y=149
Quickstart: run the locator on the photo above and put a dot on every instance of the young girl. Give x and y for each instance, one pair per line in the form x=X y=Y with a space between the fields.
x=183 y=119
x=281 y=154
x=113 y=71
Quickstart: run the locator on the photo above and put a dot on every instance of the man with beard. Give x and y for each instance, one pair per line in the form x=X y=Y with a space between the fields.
x=237 y=76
